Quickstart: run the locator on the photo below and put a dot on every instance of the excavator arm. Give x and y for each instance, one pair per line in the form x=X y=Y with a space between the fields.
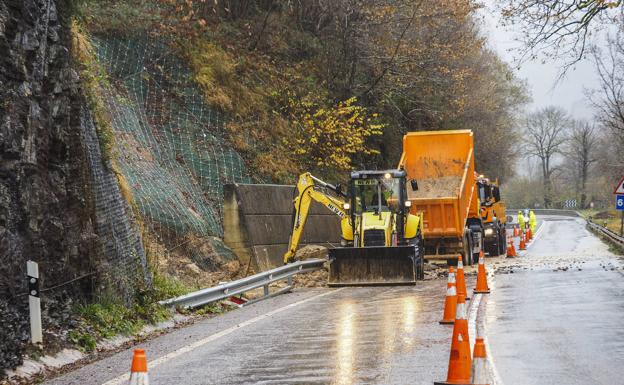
x=310 y=188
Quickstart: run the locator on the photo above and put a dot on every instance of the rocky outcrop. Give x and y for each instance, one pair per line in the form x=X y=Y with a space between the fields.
x=45 y=212
x=49 y=208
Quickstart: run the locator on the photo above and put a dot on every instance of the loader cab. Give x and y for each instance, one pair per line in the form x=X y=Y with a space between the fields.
x=383 y=241
x=377 y=202
x=377 y=191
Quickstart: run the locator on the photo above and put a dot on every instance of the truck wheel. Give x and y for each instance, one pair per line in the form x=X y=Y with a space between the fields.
x=492 y=248
x=476 y=229
x=467 y=257
x=502 y=243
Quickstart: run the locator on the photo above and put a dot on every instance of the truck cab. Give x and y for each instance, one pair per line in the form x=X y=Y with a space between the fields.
x=493 y=217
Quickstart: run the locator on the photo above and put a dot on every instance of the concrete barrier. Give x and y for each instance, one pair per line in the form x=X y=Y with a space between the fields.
x=257 y=220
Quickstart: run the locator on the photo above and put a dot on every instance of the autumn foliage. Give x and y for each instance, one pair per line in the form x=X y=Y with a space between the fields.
x=290 y=75
x=330 y=137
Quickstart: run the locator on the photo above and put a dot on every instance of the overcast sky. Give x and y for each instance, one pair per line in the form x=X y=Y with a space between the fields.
x=567 y=93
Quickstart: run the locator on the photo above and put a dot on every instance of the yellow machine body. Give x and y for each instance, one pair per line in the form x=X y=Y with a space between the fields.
x=381 y=244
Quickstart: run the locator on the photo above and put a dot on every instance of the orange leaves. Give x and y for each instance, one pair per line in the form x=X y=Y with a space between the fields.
x=329 y=136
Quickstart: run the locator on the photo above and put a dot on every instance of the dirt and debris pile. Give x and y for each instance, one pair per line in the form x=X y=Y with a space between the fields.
x=311 y=252
x=319 y=278
x=434 y=271
x=444 y=186
x=316 y=278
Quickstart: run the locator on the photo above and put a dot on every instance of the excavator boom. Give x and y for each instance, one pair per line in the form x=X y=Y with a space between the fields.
x=311 y=189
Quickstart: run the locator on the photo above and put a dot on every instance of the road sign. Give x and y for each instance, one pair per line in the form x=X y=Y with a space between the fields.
x=619 y=189
x=619 y=202
x=570 y=203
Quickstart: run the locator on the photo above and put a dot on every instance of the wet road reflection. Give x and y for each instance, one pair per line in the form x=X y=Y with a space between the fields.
x=375 y=335
x=345 y=343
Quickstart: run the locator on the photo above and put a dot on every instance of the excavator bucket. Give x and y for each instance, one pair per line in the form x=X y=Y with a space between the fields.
x=367 y=266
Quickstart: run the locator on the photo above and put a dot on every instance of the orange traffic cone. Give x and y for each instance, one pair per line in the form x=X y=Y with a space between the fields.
x=515 y=233
x=522 y=243
x=511 y=249
x=459 y=362
x=461 y=280
x=482 y=286
x=479 y=360
x=450 y=303
x=529 y=234
x=138 y=370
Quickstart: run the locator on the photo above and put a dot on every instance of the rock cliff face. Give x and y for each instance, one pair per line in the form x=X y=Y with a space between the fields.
x=48 y=211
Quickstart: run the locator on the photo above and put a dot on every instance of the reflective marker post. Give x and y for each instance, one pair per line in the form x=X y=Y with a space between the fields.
x=34 y=302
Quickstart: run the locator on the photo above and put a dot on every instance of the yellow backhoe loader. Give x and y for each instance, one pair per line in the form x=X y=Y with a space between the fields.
x=381 y=242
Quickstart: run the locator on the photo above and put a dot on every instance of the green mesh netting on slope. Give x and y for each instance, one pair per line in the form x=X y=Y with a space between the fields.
x=171 y=146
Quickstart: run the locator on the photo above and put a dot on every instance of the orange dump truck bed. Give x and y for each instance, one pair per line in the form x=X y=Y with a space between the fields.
x=442 y=163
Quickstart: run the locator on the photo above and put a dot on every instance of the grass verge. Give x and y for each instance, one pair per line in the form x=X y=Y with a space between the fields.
x=109 y=318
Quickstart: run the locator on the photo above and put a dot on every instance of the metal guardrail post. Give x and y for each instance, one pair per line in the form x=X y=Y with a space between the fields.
x=612 y=236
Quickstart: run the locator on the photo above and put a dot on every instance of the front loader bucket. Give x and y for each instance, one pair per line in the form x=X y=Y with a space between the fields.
x=364 y=266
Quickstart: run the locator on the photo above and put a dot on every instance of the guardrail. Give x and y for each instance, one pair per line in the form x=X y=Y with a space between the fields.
x=562 y=212
x=264 y=279
x=613 y=237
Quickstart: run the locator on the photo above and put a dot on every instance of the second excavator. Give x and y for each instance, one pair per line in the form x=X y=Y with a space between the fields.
x=381 y=241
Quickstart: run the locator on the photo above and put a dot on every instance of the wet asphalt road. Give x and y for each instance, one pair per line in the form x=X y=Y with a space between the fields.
x=376 y=335
x=547 y=323
x=559 y=318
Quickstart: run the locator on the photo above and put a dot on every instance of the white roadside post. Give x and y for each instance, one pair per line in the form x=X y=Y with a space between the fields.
x=34 y=302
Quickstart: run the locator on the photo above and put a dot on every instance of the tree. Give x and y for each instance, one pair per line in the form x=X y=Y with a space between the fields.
x=580 y=152
x=421 y=64
x=329 y=137
x=558 y=27
x=609 y=99
x=608 y=102
x=545 y=133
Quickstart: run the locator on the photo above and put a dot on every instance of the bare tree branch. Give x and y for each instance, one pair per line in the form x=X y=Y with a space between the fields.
x=545 y=131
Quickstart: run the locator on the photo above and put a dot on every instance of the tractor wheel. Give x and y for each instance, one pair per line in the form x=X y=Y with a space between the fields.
x=502 y=243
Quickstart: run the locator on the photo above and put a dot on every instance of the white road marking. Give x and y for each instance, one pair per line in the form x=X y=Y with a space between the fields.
x=176 y=353
x=537 y=234
x=473 y=311
x=477 y=321
x=496 y=378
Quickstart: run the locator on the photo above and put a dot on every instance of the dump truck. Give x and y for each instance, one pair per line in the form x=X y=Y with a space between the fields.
x=493 y=216
x=441 y=163
x=381 y=241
